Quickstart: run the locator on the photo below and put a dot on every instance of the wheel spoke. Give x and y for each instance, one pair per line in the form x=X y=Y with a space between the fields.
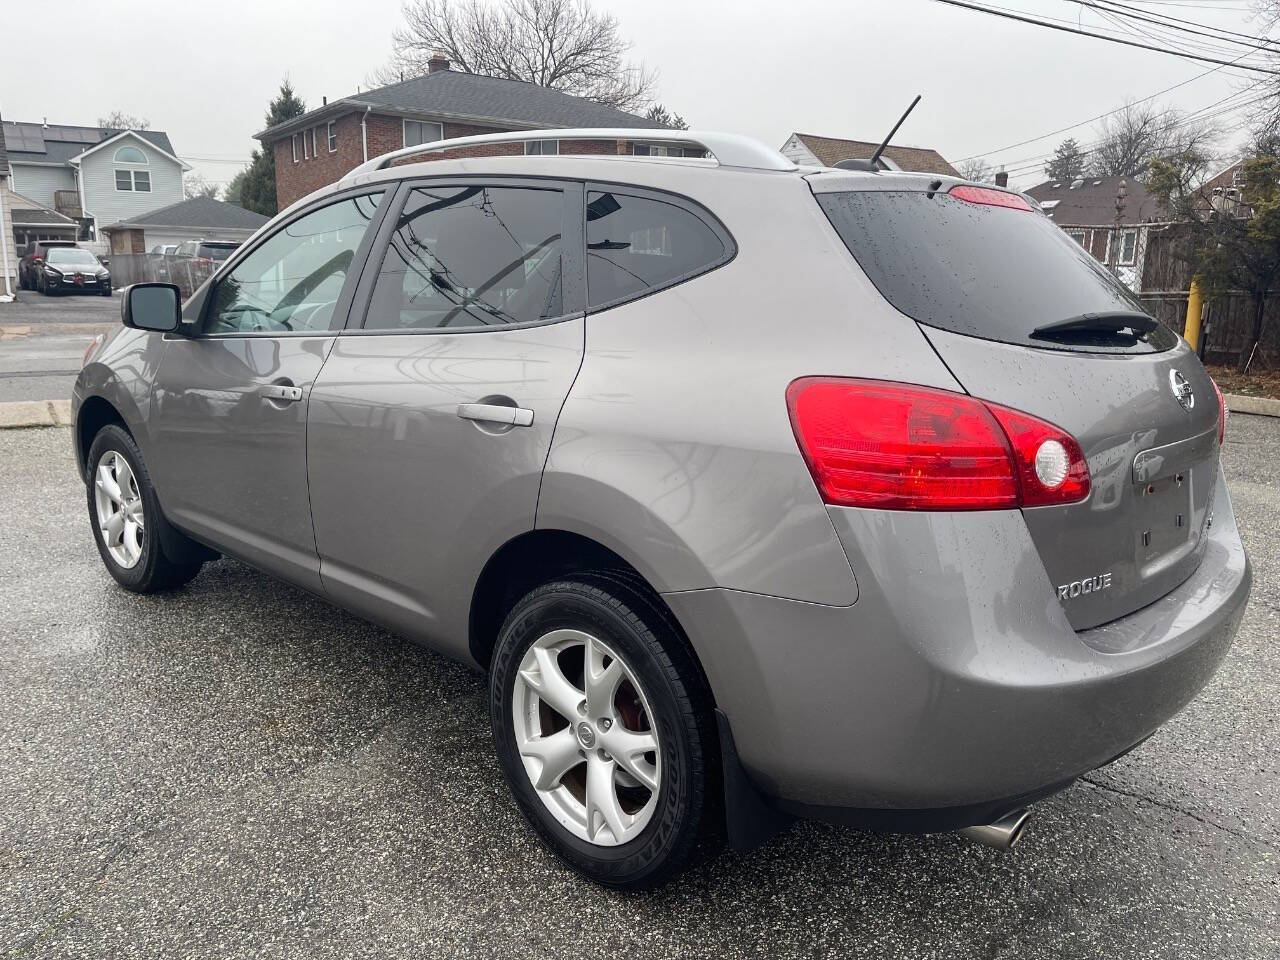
x=601 y=681
x=550 y=683
x=107 y=483
x=603 y=808
x=129 y=540
x=628 y=748
x=559 y=753
x=113 y=528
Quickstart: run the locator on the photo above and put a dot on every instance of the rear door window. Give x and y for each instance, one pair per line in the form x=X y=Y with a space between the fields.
x=636 y=245
x=984 y=271
x=472 y=256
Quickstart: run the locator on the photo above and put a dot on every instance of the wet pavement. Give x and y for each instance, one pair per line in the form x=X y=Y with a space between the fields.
x=239 y=769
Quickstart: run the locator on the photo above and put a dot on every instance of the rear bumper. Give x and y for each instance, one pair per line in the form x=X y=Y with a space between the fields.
x=954 y=685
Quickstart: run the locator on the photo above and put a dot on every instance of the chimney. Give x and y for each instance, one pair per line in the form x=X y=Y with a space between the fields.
x=324 y=101
x=1002 y=179
x=437 y=63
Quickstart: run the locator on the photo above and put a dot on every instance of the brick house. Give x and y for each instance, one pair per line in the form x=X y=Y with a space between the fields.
x=1223 y=191
x=808 y=149
x=324 y=144
x=1111 y=217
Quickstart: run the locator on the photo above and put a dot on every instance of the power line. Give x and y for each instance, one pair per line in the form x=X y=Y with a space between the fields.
x=1102 y=36
x=1193 y=23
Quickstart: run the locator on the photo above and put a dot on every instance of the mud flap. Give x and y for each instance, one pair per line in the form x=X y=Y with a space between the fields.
x=748 y=818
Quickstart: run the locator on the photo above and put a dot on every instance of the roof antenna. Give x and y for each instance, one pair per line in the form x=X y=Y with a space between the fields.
x=872 y=164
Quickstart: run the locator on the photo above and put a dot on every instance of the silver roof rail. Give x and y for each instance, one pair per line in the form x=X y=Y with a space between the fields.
x=729 y=149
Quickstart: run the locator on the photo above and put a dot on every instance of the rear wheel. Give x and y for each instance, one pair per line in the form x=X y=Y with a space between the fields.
x=604 y=730
x=125 y=516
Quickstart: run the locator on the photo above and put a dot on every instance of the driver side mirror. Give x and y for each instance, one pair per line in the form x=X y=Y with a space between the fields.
x=151 y=306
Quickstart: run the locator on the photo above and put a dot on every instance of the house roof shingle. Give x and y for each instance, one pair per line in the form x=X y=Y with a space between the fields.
x=198 y=213
x=39 y=217
x=4 y=154
x=1093 y=202
x=471 y=96
x=58 y=143
x=831 y=150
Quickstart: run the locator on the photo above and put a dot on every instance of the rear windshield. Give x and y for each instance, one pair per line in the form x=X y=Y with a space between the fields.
x=217 y=251
x=983 y=271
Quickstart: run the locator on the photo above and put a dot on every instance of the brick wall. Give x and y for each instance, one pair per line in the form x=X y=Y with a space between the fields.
x=297 y=179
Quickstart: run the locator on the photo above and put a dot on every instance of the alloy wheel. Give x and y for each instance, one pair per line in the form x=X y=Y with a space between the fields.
x=118 y=502
x=584 y=730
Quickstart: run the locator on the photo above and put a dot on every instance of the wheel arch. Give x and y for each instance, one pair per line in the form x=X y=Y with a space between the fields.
x=540 y=556
x=95 y=413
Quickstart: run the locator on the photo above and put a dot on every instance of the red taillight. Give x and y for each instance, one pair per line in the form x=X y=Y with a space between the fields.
x=894 y=446
x=985 y=197
x=1222 y=412
x=37 y=259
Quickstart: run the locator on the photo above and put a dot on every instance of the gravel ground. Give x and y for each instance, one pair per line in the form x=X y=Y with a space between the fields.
x=239 y=769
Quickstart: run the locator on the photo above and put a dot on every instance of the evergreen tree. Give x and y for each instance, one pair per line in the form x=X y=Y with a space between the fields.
x=256 y=185
x=1068 y=161
x=660 y=116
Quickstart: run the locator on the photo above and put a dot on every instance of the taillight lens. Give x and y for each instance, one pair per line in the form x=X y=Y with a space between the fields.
x=1223 y=413
x=870 y=443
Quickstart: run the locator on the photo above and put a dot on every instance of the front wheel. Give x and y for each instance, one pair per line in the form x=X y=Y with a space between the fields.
x=604 y=730
x=125 y=516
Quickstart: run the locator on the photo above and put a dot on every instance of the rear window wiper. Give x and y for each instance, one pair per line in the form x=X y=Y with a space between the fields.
x=1112 y=321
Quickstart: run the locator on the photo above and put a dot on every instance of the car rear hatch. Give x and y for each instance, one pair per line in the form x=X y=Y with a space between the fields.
x=1025 y=317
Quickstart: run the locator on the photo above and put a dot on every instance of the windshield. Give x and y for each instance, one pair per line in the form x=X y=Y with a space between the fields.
x=71 y=257
x=216 y=251
x=984 y=271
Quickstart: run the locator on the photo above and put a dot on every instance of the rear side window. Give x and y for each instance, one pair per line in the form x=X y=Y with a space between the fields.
x=471 y=256
x=636 y=245
x=979 y=270
x=217 y=251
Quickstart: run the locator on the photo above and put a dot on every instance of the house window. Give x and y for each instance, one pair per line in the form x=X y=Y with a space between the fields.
x=130 y=155
x=542 y=146
x=306 y=150
x=421 y=131
x=314 y=151
x=332 y=132
x=128 y=178
x=1128 y=247
x=133 y=180
x=1078 y=236
x=295 y=148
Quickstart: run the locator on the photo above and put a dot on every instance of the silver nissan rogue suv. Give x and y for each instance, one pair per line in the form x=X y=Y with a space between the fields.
x=758 y=491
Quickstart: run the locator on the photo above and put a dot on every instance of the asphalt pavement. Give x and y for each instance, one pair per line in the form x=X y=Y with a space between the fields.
x=42 y=341
x=239 y=769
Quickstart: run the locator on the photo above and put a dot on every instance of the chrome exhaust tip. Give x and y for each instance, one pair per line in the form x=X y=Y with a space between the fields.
x=1003 y=834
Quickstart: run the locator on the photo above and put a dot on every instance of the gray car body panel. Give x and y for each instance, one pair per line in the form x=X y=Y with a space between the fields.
x=956 y=678
x=869 y=659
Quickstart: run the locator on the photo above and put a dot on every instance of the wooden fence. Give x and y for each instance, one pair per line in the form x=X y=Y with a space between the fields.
x=1166 y=278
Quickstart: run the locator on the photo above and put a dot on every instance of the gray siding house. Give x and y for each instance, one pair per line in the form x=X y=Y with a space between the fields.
x=93 y=175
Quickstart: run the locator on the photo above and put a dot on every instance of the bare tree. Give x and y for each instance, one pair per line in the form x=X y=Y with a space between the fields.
x=119 y=120
x=1139 y=133
x=976 y=169
x=1266 y=113
x=562 y=44
x=194 y=185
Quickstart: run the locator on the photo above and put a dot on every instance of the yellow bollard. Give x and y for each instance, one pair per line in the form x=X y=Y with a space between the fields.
x=1195 y=308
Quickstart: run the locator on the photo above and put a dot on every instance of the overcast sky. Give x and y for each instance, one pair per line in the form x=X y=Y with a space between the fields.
x=843 y=68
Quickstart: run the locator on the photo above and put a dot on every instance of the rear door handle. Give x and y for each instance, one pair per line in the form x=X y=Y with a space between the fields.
x=496 y=413
x=278 y=391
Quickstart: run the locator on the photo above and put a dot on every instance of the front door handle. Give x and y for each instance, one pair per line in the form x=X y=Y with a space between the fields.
x=496 y=413
x=278 y=391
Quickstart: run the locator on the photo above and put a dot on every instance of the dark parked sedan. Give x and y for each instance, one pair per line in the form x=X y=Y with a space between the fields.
x=72 y=270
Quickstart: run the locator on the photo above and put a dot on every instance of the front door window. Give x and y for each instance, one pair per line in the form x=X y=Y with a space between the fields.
x=291 y=282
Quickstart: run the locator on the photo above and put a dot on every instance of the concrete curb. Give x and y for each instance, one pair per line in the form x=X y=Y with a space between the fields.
x=17 y=331
x=22 y=414
x=1261 y=406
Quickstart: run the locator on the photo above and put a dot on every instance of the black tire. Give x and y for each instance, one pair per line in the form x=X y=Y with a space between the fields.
x=106 y=292
x=629 y=621
x=47 y=290
x=22 y=280
x=153 y=571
